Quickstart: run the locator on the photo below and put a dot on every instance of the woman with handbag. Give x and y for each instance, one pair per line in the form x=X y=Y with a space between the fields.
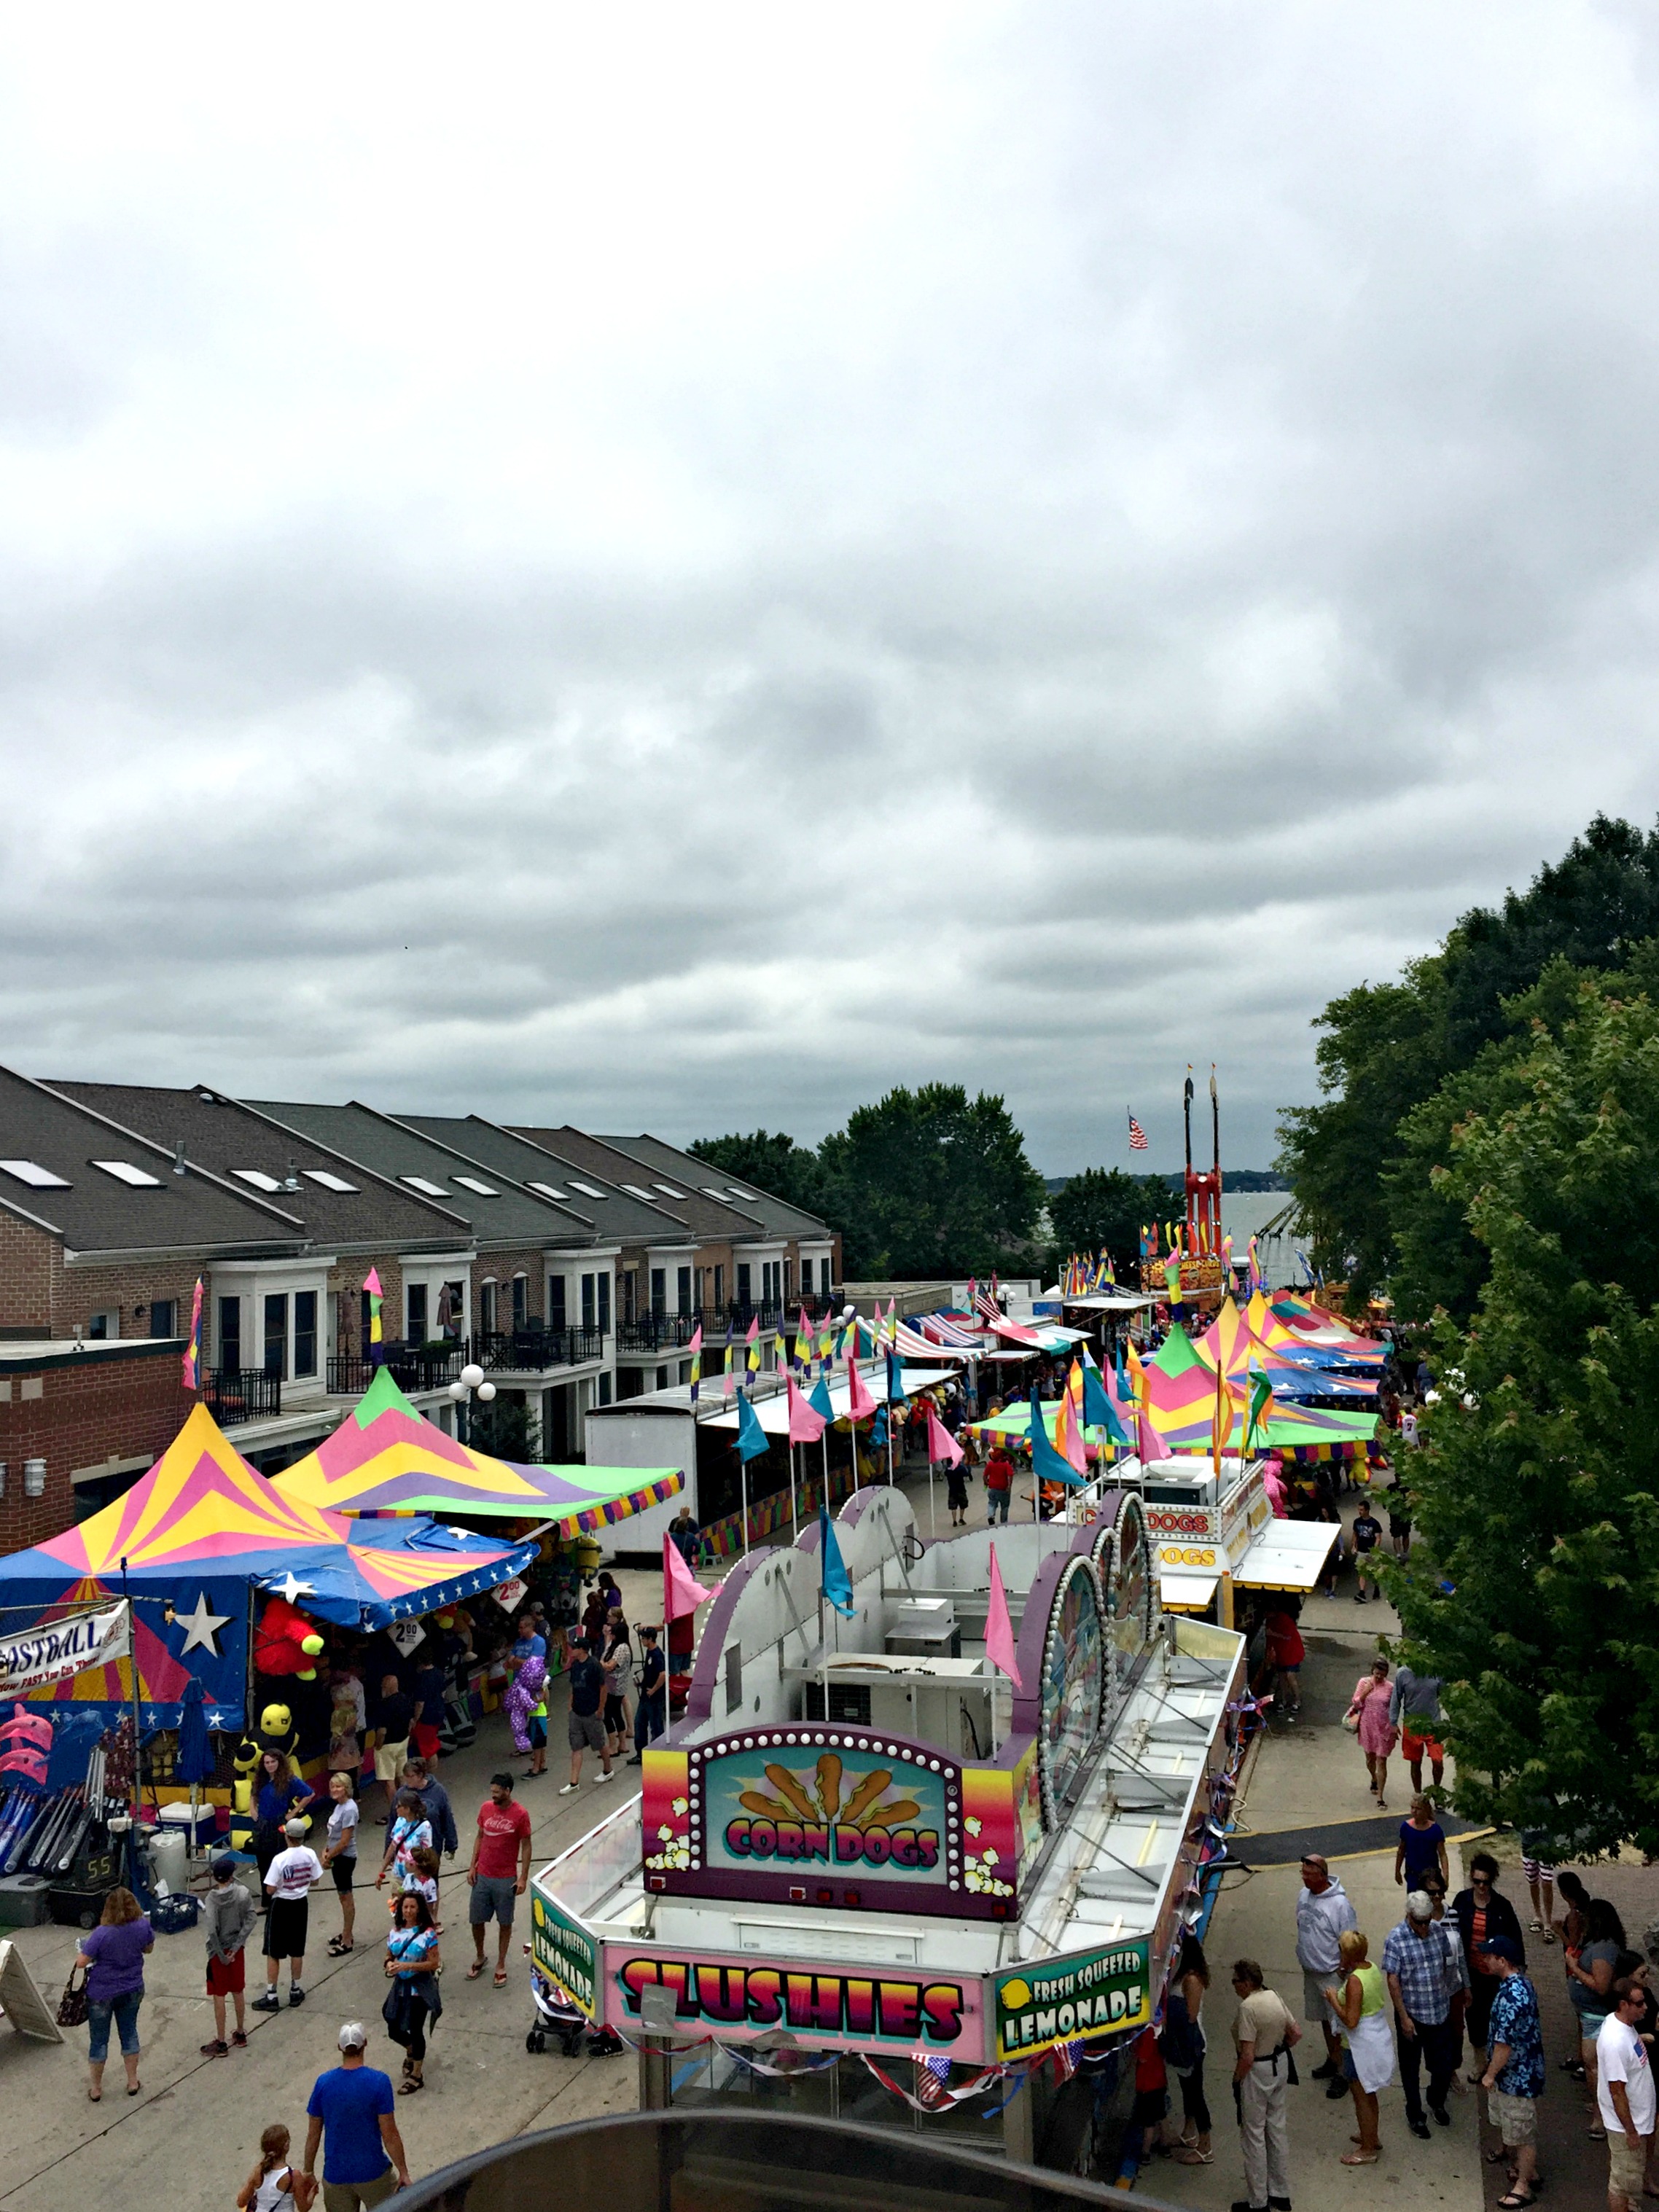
x=1367 y=1717
x=113 y=1954
x=413 y=1964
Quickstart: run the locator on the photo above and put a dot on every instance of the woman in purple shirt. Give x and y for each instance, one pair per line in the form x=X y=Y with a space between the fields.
x=113 y=1955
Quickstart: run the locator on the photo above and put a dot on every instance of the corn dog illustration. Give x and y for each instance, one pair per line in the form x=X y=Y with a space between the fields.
x=893 y=1816
x=865 y=1796
x=787 y=1786
x=829 y=1784
x=769 y=1808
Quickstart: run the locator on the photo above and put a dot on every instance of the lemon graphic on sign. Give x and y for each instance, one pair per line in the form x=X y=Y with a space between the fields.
x=1016 y=1995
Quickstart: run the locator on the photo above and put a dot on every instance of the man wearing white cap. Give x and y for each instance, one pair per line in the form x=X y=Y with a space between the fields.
x=365 y=2162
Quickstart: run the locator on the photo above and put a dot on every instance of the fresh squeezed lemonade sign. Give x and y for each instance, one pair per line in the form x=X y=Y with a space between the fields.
x=1083 y=1993
x=566 y=1954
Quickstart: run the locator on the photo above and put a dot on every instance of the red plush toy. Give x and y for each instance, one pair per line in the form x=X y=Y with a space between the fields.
x=285 y=1643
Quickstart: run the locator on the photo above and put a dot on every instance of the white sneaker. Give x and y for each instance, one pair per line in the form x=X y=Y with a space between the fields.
x=604 y=1777
x=565 y=1789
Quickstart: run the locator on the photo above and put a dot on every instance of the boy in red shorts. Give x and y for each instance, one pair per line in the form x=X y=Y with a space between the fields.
x=227 y=1914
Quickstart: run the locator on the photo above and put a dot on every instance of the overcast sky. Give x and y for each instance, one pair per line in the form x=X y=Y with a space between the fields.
x=681 y=569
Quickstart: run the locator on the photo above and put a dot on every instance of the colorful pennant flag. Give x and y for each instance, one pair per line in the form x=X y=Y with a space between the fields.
x=682 y=1592
x=805 y=1422
x=753 y=1342
x=835 y=1582
x=999 y=1628
x=752 y=1439
x=191 y=1365
x=372 y=1285
x=859 y=1404
x=943 y=1449
x=697 y=1361
x=730 y=1379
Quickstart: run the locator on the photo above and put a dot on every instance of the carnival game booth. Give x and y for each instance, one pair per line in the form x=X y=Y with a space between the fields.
x=228 y=1580
x=878 y=1873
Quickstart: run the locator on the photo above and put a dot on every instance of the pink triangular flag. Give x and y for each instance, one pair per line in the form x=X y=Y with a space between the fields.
x=372 y=1283
x=805 y=1422
x=860 y=1403
x=1149 y=1445
x=682 y=1592
x=998 y=1629
x=941 y=1445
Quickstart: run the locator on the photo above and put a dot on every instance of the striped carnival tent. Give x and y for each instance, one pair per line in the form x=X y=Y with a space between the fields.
x=384 y=1460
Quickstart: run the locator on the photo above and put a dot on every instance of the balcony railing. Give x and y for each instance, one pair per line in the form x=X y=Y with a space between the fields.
x=657 y=1332
x=241 y=1393
x=412 y=1366
x=531 y=1350
x=662 y=1332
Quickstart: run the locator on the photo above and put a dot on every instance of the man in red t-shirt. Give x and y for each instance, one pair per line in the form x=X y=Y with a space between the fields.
x=499 y=1874
x=998 y=1482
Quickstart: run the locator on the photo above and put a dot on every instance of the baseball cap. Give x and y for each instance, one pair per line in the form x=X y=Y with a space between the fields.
x=1503 y=1947
x=223 y=1867
x=354 y=2036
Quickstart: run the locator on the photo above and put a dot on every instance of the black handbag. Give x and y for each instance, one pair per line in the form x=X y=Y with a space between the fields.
x=73 y=2005
x=395 y=2011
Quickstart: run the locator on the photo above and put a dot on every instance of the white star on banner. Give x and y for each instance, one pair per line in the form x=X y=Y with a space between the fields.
x=293 y=1588
x=201 y=1628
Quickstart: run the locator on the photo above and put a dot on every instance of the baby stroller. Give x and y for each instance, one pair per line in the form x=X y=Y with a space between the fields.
x=557 y=2014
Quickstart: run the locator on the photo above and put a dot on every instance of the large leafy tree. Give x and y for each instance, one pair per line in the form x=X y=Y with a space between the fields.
x=1355 y=1160
x=1534 y=1588
x=935 y=1183
x=771 y=1160
x=1102 y=1208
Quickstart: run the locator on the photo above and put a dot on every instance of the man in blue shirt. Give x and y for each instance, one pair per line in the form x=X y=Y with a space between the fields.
x=364 y=2162
x=1515 y=2075
x=587 y=1728
x=529 y=1645
x=1423 y=1962
x=419 y=1778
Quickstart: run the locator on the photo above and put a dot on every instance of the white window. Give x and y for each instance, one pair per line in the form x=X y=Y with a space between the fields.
x=37 y=1178
x=257 y=1177
x=328 y=1179
x=587 y=1189
x=471 y=1182
x=103 y=1327
x=546 y=1189
x=427 y=1189
x=672 y=1192
x=638 y=1190
x=124 y=1171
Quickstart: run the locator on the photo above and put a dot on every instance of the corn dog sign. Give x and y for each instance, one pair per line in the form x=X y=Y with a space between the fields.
x=811 y=1815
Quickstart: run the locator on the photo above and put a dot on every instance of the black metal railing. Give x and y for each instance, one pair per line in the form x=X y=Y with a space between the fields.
x=529 y=1350
x=819 y=1304
x=657 y=1332
x=241 y=1393
x=412 y=1366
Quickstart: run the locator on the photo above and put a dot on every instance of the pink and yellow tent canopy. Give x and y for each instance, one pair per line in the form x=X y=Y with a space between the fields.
x=383 y=1460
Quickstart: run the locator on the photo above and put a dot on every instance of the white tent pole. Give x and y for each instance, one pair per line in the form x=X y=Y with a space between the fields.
x=743 y=1470
x=793 y=1516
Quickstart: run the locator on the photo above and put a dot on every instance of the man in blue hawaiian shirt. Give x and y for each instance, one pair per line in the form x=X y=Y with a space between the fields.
x=1513 y=2078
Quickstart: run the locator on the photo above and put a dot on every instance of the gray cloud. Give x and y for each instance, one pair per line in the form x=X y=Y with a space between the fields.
x=683 y=581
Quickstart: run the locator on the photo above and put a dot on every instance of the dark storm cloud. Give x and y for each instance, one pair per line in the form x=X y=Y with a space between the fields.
x=686 y=583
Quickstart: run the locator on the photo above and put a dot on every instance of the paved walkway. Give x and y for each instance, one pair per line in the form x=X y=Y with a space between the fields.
x=189 y=2142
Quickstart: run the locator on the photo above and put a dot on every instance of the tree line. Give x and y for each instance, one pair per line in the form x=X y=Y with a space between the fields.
x=1486 y=1156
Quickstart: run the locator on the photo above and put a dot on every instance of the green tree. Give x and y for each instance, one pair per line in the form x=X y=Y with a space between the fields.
x=1104 y=1207
x=506 y=1428
x=1534 y=1588
x=932 y=1182
x=1388 y=1048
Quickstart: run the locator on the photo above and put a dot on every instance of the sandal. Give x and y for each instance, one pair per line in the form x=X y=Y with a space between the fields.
x=1597 y=2134
x=1515 y=2200
x=501 y=1978
x=336 y=1949
x=1359 y=2158
x=474 y=1970
x=410 y=2087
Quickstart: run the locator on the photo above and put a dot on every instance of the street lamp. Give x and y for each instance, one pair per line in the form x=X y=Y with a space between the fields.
x=462 y=1391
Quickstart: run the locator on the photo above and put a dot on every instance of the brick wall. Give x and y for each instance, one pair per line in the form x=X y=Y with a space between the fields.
x=81 y=1413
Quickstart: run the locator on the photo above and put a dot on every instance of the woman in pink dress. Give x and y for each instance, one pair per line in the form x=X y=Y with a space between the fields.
x=1378 y=1734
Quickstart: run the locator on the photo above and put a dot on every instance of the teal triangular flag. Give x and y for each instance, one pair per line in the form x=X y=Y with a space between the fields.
x=818 y=1399
x=837 y=1584
x=1098 y=1411
x=1047 y=1464
x=752 y=1439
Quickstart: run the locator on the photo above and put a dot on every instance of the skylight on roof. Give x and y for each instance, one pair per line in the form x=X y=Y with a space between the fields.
x=471 y=1182
x=638 y=1190
x=427 y=1189
x=328 y=1179
x=673 y=1193
x=546 y=1190
x=713 y=1190
x=124 y=1171
x=731 y=1191
x=587 y=1189
x=37 y=1178
x=257 y=1177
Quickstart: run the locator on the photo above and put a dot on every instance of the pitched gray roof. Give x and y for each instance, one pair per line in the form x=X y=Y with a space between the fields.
x=615 y=1214
x=97 y=1211
x=507 y=1216
x=226 y=1136
x=779 y=1216
x=712 y=1220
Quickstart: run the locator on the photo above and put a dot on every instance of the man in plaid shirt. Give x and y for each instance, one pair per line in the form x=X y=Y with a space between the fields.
x=1424 y=1966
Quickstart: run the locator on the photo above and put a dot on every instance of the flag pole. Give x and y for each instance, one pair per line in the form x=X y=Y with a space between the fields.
x=792 y=1514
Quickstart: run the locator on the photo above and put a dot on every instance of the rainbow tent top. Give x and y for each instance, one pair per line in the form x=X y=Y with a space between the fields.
x=385 y=1460
x=202 y=1535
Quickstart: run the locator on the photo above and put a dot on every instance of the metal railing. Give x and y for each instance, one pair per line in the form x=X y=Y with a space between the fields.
x=657 y=1332
x=530 y=1349
x=241 y=1393
x=412 y=1366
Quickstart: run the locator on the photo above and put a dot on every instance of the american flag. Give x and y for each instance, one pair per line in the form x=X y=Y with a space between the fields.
x=1137 y=1135
x=933 y=2080
x=986 y=1306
